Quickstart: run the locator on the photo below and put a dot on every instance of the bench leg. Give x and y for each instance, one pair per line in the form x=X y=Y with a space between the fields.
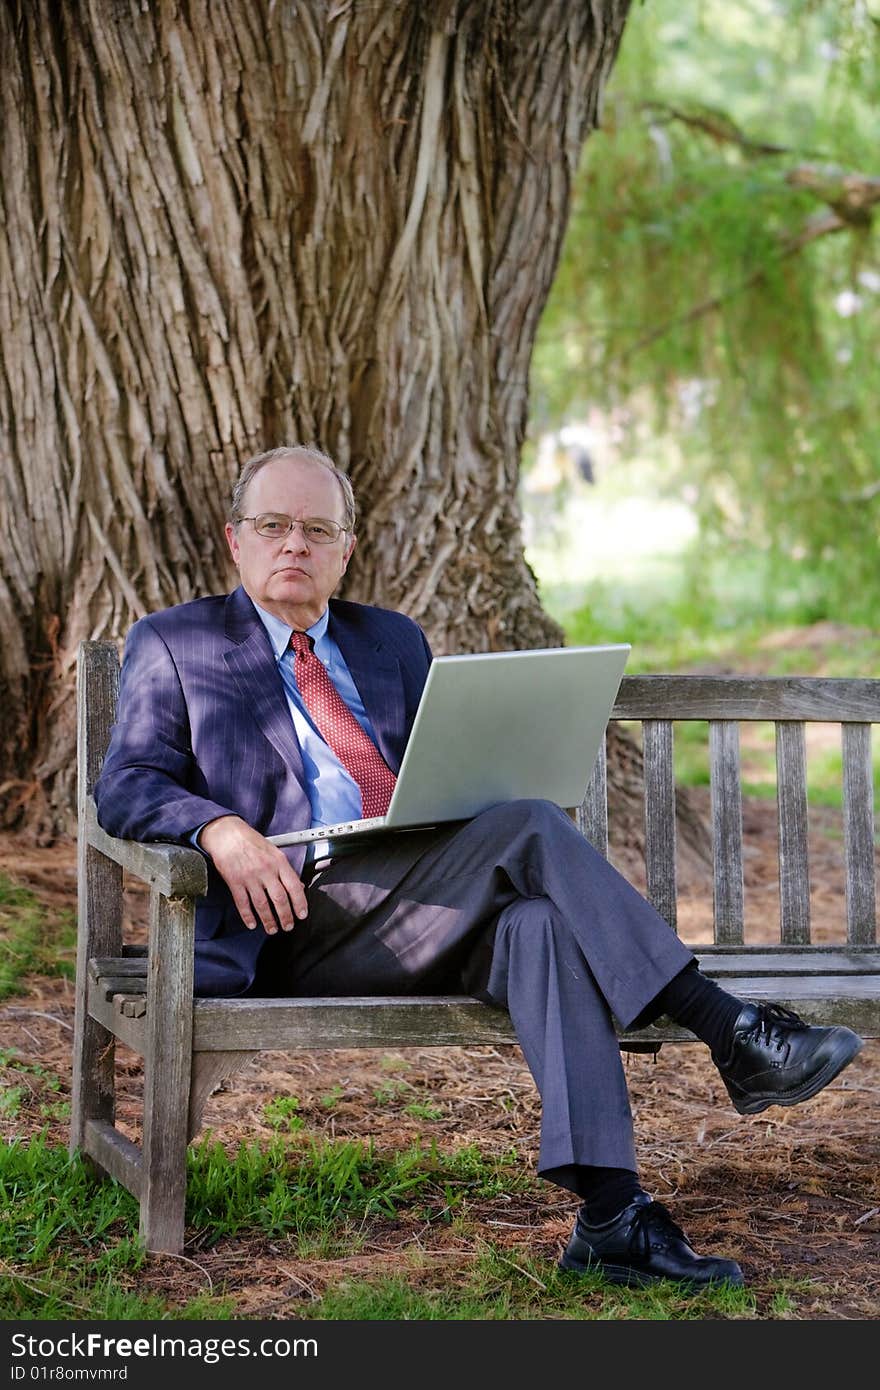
x=167 y=1072
x=99 y=933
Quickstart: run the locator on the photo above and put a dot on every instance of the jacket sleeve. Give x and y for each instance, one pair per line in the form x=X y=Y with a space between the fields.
x=149 y=787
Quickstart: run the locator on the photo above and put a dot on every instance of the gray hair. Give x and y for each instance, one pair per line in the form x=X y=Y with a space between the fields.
x=298 y=451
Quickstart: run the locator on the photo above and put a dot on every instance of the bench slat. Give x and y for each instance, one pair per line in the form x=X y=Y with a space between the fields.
x=858 y=832
x=120 y=967
x=726 y=804
x=592 y=815
x=657 y=749
x=794 y=868
x=281 y=1024
x=744 y=961
x=715 y=960
x=832 y=700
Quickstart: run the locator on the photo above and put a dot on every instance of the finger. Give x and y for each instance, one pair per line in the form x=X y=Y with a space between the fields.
x=281 y=902
x=262 y=908
x=243 y=906
x=296 y=893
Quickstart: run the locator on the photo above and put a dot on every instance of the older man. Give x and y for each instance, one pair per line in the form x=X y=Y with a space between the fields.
x=278 y=707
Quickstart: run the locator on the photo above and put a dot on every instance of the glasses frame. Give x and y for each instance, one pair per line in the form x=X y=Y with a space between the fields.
x=301 y=522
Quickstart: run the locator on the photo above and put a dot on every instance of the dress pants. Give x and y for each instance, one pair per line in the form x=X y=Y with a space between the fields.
x=517 y=908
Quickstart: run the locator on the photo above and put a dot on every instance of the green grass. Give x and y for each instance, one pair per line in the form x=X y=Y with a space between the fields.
x=279 y=1189
x=69 y=1249
x=499 y=1286
x=281 y=1112
x=725 y=611
x=33 y=939
x=22 y=1080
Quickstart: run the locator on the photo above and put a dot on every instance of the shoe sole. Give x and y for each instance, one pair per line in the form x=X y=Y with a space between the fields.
x=833 y=1067
x=636 y=1278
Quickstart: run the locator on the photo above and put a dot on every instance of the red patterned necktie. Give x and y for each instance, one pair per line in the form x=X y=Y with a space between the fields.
x=340 y=729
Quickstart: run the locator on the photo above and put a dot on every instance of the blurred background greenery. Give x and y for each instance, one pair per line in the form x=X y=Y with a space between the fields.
x=702 y=476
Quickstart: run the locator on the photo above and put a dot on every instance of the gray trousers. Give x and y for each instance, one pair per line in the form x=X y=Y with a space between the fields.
x=516 y=907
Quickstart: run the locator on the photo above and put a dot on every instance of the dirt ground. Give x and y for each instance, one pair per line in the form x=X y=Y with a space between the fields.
x=793 y=1194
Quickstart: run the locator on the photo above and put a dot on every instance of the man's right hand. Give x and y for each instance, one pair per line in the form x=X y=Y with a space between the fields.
x=264 y=887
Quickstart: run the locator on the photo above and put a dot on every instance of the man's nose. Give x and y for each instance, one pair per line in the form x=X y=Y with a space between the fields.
x=295 y=540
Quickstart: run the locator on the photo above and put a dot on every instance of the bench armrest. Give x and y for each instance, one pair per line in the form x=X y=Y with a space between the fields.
x=175 y=870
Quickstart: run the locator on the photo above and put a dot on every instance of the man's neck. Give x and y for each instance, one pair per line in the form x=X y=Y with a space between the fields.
x=279 y=628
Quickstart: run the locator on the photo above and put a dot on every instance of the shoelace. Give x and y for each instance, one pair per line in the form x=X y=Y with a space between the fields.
x=769 y=1017
x=655 y=1217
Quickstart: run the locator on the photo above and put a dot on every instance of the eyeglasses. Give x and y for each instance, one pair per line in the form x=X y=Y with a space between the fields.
x=275 y=526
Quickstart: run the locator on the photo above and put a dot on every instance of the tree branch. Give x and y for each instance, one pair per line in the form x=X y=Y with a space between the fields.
x=715 y=123
x=821 y=225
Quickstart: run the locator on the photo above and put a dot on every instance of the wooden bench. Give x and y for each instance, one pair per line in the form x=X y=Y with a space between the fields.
x=143 y=997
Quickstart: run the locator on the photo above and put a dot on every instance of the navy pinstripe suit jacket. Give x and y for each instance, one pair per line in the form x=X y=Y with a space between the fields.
x=203 y=729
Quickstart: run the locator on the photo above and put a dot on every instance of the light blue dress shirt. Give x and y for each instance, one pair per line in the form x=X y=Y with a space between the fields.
x=333 y=794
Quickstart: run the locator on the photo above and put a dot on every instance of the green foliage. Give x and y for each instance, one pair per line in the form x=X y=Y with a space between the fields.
x=387 y=1092
x=424 y=1110
x=36 y=1081
x=715 y=290
x=69 y=1249
x=728 y=607
x=31 y=938
x=501 y=1286
x=281 y=1113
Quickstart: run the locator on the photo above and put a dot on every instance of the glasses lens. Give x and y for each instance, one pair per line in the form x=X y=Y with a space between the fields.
x=275 y=526
x=272 y=525
x=315 y=528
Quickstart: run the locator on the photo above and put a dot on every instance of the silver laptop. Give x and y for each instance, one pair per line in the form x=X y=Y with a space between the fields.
x=495 y=727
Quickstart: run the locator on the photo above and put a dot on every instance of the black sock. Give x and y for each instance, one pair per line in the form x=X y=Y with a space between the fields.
x=695 y=1001
x=604 y=1191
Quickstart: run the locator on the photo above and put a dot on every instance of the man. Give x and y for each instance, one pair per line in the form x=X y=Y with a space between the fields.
x=277 y=707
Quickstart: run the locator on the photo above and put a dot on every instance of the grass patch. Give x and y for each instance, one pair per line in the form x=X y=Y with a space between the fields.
x=68 y=1244
x=280 y=1188
x=69 y=1249
x=28 y=1084
x=497 y=1285
x=33 y=939
x=731 y=611
x=321 y=1189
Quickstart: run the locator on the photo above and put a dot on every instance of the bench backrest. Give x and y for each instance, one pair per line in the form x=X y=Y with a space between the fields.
x=725 y=702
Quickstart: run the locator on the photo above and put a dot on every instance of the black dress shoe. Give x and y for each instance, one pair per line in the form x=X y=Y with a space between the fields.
x=777 y=1059
x=642 y=1246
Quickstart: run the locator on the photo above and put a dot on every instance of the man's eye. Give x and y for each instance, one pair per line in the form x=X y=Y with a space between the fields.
x=318 y=531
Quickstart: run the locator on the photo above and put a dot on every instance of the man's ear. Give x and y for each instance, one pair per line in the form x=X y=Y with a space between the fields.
x=231 y=541
x=348 y=553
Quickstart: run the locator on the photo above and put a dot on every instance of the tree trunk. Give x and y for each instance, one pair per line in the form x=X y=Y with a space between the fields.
x=227 y=226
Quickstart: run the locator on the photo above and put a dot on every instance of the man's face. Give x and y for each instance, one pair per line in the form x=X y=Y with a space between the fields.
x=292 y=578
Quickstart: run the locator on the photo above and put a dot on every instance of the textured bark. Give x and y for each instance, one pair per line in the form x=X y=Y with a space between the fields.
x=226 y=226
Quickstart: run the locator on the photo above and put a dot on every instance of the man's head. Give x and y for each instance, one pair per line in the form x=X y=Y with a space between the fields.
x=291 y=575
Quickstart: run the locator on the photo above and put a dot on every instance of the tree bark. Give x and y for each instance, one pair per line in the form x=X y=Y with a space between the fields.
x=227 y=226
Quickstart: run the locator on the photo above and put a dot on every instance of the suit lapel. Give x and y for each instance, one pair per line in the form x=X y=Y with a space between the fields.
x=251 y=662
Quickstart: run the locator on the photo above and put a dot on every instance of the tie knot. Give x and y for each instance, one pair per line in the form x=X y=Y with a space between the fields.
x=301 y=643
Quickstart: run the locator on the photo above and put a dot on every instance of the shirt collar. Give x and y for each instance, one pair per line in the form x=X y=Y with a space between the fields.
x=279 y=631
